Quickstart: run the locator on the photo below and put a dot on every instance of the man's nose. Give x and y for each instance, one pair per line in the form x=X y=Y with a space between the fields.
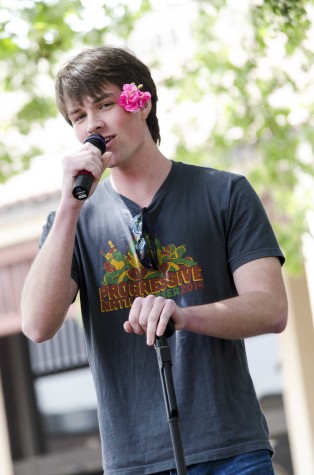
x=94 y=124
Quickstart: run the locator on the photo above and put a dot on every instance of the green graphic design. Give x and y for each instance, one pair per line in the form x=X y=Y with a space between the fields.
x=125 y=278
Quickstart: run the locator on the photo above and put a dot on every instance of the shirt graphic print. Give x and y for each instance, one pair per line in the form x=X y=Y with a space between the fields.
x=125 y=278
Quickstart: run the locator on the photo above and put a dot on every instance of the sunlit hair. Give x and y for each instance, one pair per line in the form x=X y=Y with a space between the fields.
x=87 y=73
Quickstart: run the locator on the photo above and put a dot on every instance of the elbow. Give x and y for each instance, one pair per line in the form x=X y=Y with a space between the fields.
x=34 y=334
x=34 y=331
x=38 y=325
x=280 y=325
x=36 y=337
x=281 y=318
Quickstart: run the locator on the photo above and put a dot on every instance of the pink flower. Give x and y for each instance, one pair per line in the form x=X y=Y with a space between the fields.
x=132 y=99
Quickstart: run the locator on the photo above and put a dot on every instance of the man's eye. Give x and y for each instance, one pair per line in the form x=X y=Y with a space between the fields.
x=106 y=105
x=79 y=118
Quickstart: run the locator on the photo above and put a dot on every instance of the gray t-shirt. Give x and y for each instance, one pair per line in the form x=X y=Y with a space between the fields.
x=206 y=223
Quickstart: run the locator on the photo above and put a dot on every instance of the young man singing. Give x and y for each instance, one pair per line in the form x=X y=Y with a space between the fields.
x=157 y=239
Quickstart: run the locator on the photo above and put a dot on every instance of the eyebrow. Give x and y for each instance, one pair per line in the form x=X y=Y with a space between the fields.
x=95 y=101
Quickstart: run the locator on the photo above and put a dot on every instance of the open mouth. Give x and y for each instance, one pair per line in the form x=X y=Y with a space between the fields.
x=108 y=139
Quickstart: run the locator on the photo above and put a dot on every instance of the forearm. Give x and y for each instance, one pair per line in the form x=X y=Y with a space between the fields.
x=250 y=314
x=47 y=291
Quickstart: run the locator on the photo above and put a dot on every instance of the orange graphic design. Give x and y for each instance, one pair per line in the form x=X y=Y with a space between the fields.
x=125 y=278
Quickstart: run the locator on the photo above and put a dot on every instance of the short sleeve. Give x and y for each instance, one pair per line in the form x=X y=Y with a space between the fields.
x=249 y=233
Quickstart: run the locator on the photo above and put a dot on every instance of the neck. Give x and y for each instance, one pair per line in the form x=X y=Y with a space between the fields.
x=140 y=183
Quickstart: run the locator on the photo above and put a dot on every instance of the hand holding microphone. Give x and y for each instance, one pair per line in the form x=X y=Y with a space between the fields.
x=84 y=179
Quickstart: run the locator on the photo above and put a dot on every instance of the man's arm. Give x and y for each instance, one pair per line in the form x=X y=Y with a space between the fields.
x=260 y=307
x=49 y=289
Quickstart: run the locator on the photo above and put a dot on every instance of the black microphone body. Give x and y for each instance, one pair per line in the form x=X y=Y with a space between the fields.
x=84 y=179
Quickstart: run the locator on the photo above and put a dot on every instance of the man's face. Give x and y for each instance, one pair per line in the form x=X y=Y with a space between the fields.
x=123 y=131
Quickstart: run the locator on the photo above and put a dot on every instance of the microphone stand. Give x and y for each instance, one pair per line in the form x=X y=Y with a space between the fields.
x=165 y=365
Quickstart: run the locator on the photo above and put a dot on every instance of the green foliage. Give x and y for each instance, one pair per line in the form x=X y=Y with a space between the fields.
x=254 y=131
x=37 y=109
x=33 y=39
x=259 y=104
x=286 y=16
x=13 y=162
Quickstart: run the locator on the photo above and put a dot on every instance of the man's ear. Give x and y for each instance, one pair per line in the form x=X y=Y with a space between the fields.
x=146 y=109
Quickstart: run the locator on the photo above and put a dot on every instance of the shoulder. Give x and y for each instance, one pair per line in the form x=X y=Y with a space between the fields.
x=214 y=180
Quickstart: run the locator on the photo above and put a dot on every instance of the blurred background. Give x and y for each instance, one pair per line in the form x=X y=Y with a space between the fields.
x=236 y=92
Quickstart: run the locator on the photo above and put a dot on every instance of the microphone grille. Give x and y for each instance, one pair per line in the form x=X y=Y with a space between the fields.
x=98 y=141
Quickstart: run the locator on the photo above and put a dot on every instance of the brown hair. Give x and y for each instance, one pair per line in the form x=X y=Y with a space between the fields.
x=85 y=75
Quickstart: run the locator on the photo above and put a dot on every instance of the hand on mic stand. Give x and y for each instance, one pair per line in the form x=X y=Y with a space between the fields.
x=84 y=180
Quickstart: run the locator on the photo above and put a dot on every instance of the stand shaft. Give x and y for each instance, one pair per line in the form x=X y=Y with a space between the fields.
x=165 y=364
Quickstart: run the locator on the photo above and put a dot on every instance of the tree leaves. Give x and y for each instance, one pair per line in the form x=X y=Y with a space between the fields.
x=247 y=88
x=34 y=36
x=258 y=80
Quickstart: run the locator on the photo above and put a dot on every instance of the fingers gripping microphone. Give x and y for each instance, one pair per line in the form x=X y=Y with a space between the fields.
x=84 y=179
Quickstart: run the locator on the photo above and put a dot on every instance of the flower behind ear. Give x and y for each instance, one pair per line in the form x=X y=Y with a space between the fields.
x=132 y=99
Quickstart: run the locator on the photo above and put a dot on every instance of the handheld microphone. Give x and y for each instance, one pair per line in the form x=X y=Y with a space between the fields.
x=84 y=179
